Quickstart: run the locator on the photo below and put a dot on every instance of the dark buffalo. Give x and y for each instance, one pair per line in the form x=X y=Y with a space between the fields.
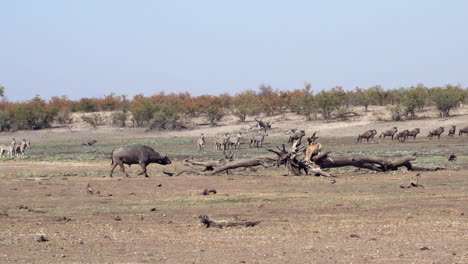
x=436 y=132
x=413 y=133
x=142 y=155
x=367 y=135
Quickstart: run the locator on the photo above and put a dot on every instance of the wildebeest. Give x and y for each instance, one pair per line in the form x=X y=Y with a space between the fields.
x=367 y=135
x=90 y=142
x=296 y=135
x=436 y=132
x=413 y=133
x=142 y=155
x=451 y=131
x=389 y=133
x=463 y=130
x=402 y=135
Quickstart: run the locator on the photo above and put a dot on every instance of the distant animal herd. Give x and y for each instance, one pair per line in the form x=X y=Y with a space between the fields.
x=14 y=150
x=401 y=136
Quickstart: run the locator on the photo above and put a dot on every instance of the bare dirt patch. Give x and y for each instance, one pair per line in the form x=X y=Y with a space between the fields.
x=48 y=215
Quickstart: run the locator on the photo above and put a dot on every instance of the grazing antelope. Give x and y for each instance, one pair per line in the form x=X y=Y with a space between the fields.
x=451 y=131
x=413 y=133
x=201 y=142
x=367 y=135
x=389 y=133
x=436 y=132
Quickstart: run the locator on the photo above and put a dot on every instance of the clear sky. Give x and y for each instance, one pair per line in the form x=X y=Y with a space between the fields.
x=90 y=48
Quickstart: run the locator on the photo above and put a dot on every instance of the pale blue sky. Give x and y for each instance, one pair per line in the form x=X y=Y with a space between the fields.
x=90 y=48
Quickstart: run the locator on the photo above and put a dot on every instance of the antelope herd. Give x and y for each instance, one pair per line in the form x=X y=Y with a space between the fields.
x=14 y=150
x=401 y=136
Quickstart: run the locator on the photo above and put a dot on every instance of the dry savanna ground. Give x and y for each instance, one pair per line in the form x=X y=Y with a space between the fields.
x=47 y=215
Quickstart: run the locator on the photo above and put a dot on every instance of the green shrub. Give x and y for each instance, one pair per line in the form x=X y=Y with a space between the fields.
x=87 y=105
x=165 y=118
x=447 y=98
x=118 y=119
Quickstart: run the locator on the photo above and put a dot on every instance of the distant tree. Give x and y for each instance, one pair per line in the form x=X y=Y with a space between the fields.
x=214 y=113
x=110 y=102
x=447 y=98
x=246 y=103
x=269 y=99
x=142 y=109
x=362 y=97
x=414 y=98
x=87 y=105
x=2 y=90
x=377 y=94
x=327 y=103
x=166 y=117
x=306 y=103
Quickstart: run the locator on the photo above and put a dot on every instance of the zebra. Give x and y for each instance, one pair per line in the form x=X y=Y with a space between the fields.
x=234 y=141
x=9 y=151
x=21 y=148
x=201 y=142
x=3 y=149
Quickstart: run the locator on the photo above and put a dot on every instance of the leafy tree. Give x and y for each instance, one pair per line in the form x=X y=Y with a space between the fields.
x=447 y=98
x=119 y=118
x=414 y=98
x=362 y=97
x=377 y=94
x=246 y=103
x=306 y=103
x=6 y=120
x=142 y=109
x=87 y=105
x=166 y=117
x=327 y=103
x=214 y=113
x=2 y=91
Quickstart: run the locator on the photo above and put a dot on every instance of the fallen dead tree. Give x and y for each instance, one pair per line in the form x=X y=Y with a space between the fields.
x=205 y=220
x=297 y=163
x=212 y=168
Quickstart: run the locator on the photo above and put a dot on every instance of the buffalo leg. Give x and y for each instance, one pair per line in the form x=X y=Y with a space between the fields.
x=143 y=170
x=122 y=168
x=113 y=167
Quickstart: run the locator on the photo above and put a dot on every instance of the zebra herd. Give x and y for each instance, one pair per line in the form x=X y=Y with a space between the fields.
x=226 y=141
x=14 y=149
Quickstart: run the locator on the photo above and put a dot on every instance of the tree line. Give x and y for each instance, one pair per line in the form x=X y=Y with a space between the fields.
x=164 y=111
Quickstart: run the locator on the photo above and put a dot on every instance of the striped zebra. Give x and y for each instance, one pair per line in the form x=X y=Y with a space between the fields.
x=20 y=149
x=8 y=151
